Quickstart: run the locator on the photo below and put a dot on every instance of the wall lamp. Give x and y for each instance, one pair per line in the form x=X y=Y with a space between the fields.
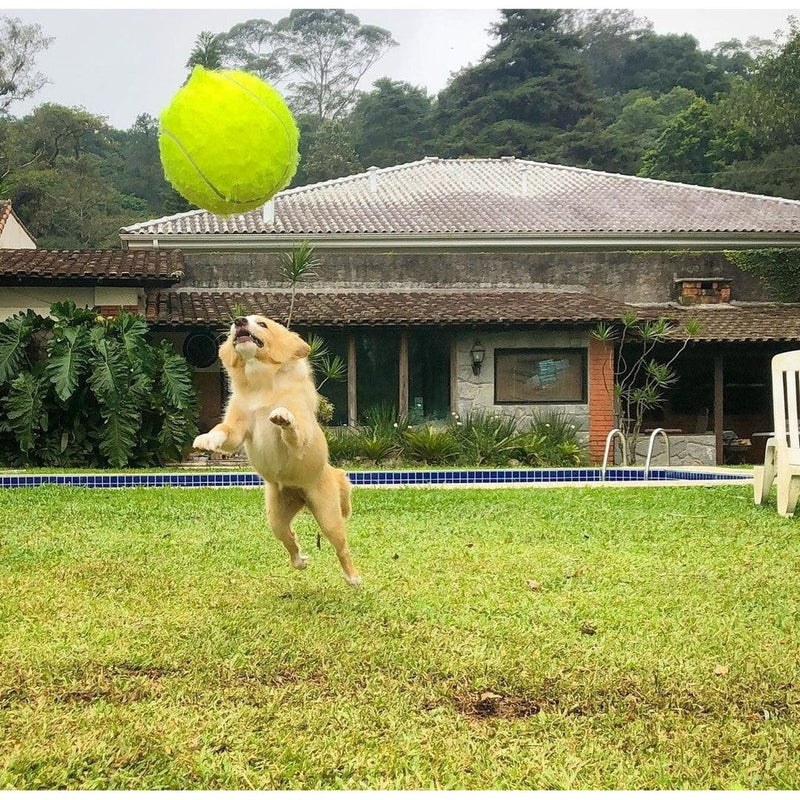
x=477 y=354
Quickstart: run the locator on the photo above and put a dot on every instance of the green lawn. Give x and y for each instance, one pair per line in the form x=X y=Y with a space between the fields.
x=158 y=639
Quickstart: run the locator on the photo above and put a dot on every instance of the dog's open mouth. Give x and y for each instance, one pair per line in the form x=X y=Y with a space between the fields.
x=243 y=335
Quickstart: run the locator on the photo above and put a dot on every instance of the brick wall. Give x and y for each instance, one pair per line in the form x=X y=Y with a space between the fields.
x=601 y=397
x=113 y=311
x=703 y=291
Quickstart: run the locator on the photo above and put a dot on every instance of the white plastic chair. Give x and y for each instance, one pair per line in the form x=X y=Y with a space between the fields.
x=782 y=455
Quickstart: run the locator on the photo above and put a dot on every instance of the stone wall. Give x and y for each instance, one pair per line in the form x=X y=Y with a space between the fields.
x=632 y=277
x=685 y=450
x=476 y=392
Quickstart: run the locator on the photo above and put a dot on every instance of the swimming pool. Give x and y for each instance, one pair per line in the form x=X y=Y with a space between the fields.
x=577 y=476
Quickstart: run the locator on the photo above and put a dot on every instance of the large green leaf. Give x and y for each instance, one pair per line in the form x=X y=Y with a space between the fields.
x=67 y=360
x=25 y=408
x=109 y=378
x=67 y=313
x=14 y=336
x=176 y=378
x=177 y=432
x=132 y=330
x=119 y=433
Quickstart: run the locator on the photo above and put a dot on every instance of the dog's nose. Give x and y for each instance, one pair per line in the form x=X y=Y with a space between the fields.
x=240 y=322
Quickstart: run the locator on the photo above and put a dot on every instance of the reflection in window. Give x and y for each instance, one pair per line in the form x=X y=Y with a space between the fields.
x=428 y=375
x=540 y=376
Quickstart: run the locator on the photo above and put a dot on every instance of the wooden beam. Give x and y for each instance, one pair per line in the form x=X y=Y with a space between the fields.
x=719 y=423
x=453 y=373
x=403 y=372
x=352 y=403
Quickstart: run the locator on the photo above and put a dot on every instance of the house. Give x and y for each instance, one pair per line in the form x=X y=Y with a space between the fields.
x=13 y=234
x=454 y=285
x=103 y=279
x=450 y=286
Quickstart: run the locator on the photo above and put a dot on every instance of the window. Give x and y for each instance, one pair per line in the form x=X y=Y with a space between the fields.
x=539 y=376
x=428 y=375
x=377 y=370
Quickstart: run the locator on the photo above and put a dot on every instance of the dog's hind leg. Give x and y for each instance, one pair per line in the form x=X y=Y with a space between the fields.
x=282 y=507
x=325 y=504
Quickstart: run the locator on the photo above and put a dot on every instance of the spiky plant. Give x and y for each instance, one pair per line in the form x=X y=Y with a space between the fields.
x=296 y=266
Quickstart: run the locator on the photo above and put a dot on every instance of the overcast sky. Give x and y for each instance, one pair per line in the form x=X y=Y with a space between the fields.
x=119 y=63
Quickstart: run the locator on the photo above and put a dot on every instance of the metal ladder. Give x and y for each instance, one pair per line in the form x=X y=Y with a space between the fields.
x=650 y=449
x=623 y=442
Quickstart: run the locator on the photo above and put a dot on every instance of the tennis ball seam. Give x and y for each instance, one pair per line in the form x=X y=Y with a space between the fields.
x=258 y=99
x=189 y=158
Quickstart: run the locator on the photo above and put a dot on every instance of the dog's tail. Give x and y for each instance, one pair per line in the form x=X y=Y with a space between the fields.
x=344 y=492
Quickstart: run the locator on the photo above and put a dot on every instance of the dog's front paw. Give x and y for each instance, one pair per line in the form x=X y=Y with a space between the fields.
x=213 y=440
x=282 y=417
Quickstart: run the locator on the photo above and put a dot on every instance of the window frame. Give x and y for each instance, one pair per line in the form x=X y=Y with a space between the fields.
x=583 y=354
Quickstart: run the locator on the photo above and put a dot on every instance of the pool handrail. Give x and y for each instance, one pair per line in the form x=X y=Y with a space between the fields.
x=650 y=449
x=624 y=445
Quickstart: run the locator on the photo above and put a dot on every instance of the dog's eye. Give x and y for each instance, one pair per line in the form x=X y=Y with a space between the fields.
x=262 y=324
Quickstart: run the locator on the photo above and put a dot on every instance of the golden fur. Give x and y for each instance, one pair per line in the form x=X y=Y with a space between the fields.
x=272 y=412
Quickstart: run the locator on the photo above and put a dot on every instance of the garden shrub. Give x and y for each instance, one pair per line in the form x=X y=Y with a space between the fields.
x=480 y=439
x=430 y=445
x=77 y=389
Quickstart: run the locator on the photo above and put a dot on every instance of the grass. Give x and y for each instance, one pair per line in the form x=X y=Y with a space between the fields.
x=503 y=639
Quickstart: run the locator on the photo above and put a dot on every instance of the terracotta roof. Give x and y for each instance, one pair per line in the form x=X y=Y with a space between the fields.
x=383 y=308
x=739 y=322
x=5 y=213
x=494 y=196
x=104 y=266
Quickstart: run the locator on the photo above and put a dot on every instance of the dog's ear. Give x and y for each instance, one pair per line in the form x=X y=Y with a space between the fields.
x=228 y=356
x=285 y=345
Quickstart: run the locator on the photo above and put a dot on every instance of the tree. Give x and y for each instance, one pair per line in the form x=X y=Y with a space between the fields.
x=138 y=171
x=392 y=124
x=327 y=53
x=640 y=379
x=685 y=150
x=207 y=51
x=331 y=154
x=19 y=46
x=527 y=89
x=606 y=37
x=60 y=170
x=255 y=46
x=81 y=390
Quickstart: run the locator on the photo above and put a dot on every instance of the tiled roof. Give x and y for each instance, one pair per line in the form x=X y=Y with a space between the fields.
x=494 y=196
x=103 y=266
x=745 y=322
x=383 y=308
x=5 y=213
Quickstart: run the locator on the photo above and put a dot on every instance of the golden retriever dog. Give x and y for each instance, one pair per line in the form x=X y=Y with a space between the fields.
x=272 y=412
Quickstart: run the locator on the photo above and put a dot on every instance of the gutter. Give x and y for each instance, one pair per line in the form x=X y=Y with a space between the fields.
x=266 y=242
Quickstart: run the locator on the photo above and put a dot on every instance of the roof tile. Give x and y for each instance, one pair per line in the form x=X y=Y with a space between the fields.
x=383 y=308
x=495 y=196
x=97 y=265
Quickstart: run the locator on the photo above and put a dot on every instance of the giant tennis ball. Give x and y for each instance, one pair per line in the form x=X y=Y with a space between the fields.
x=227 y=140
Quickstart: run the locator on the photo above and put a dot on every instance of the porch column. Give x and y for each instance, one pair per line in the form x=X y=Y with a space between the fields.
x=719 y=423
x=352 y=407
x=601 y=397
x=403 y=372
x=453 y=373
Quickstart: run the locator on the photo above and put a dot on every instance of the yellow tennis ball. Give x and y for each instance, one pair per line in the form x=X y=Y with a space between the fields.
x=227 y=140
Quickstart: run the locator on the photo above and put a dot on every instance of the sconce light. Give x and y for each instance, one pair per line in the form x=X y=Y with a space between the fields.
x=477 y=353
